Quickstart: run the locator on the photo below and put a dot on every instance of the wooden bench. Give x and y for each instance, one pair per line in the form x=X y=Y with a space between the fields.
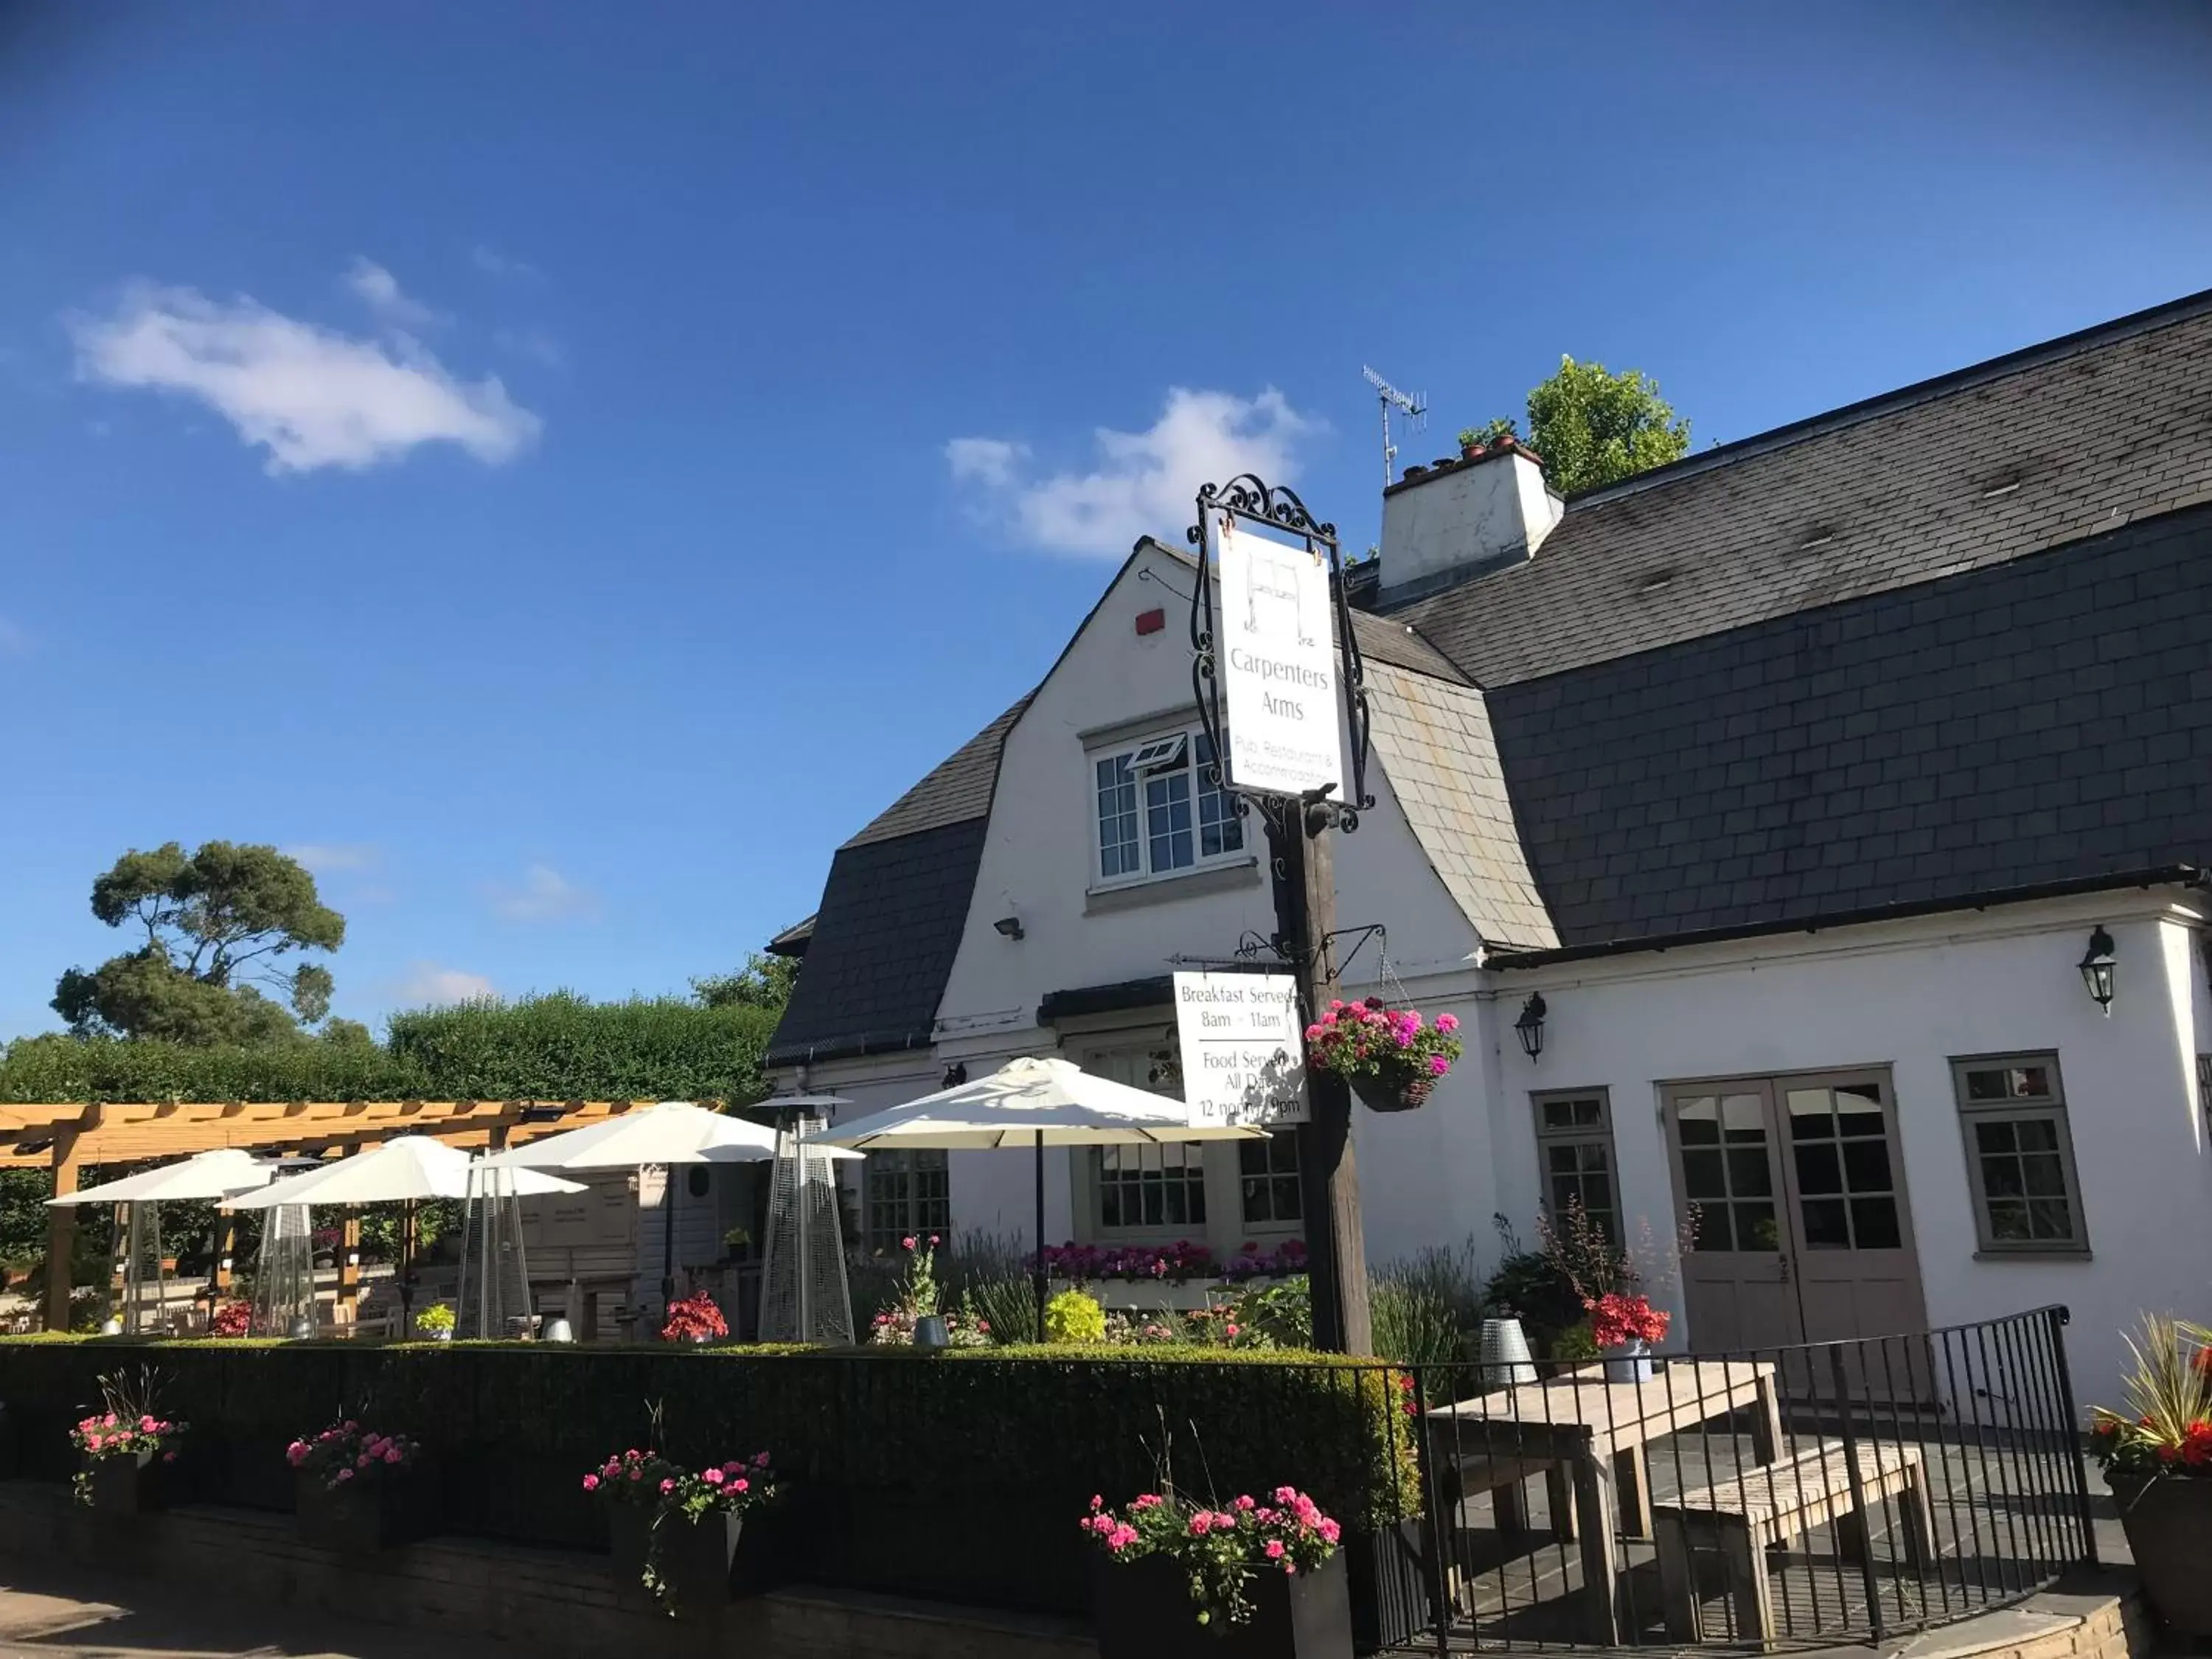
x=1774 y=1504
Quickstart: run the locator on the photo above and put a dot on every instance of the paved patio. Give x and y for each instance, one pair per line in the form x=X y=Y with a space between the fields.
x=49 y=1612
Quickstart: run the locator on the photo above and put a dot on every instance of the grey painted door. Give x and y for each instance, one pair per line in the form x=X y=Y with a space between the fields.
x=1803 y=1230
x=1728 y=1178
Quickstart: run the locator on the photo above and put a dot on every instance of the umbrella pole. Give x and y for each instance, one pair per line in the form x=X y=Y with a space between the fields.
x=667 y=1239
x=1039 y=1274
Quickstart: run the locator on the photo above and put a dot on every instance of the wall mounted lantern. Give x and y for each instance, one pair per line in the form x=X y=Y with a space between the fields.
x=1008 y=926
x=1530 y=1028
x=955 y=1074
x=2097 y=969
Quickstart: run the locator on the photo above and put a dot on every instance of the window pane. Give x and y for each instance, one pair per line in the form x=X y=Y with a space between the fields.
x=2043 y=1175
x=1818 y=1169
x=1873 y=1224
x=1994 y=1134
x=1289 y=1203
x=1827 y=1226
x=1117 y=818
x=1220 y=831
x=1743 y=1119
x=2008 y=1221
x=1866 y=1166
x=1755 y=1229
x=1811 y=1115
x=1750 y=1174
x=2037 y=1134
x=1698 y=1120
x=2001 y=1178
x=1702 y=1175
x=1559 y=1115
x=1167 y=821
x=2050 y=1218
x=1713 y=1232
x=1858 y=1109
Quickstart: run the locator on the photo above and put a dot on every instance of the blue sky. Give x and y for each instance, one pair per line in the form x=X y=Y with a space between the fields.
x=567 y=467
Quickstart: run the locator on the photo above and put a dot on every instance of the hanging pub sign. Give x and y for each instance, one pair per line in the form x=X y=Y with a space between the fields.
x=1243 y=1055
x=1277 y=661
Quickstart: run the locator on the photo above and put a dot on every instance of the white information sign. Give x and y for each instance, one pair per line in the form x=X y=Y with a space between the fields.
x=1244 y=1057
x=1277 y=659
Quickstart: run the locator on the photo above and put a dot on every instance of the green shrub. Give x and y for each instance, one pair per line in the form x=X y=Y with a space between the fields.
x=1413 y=1325
x=956 y=1474
x=1072 y=1316
x=564 y=1047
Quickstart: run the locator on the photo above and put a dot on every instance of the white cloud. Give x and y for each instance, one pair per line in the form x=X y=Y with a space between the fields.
x=379 y=289
x=543 y=894
x=1144 y=480
x=533 y=343
x=490 y=261
x=331 y=858
x=313 y=397
x=14 y=639
x=429 y=983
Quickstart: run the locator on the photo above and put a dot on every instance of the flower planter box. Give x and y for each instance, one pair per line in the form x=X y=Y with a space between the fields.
x=2168 y=1522
x=128 y=1483
x=362 y=1516
x=1143 y=1611
x=699 y=1564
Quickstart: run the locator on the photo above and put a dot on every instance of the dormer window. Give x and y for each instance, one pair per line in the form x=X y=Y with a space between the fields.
x=1159 y=809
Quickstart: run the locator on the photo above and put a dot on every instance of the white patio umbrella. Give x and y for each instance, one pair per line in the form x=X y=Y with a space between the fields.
x=407 y=1166
x=669 y=1132
x=218 y=1175
x=1034 y=1103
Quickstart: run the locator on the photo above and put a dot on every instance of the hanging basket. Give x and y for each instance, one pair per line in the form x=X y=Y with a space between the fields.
x=1394 y=1092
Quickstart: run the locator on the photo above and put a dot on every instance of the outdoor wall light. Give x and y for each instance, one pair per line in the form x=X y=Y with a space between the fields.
x=2097 y=969
x=1530 y=1028
x=955 y=1074
x=353 y=1258
x=1008 y=926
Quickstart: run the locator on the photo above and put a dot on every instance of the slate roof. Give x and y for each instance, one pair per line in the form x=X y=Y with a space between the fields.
x=958 y=788
x=2043 y=720
x=891 y=916
x=1433 y=738
x=2048 y=445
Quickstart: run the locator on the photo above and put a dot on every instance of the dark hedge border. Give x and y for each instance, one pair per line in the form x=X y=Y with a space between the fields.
x=958 y=1474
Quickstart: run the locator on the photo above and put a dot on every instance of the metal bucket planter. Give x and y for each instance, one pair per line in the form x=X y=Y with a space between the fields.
x=2169 y=1527
x=699 y=1565
x=362 y=1516
x=1629 y=1363
x=1143 y=1611
x=128 y=1483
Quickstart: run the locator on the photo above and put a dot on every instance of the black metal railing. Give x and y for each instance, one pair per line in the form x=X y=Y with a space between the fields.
x=1805 y=1495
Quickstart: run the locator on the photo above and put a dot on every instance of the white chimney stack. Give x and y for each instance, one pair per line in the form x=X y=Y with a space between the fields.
x=1460 y=519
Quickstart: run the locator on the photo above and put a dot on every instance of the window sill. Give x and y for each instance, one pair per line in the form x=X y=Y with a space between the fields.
x=1165 y=889
x=2080 y=1253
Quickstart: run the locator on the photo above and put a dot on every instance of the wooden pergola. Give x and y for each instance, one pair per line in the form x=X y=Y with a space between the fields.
x=69 y=1137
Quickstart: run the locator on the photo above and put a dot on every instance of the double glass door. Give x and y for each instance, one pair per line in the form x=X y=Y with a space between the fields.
x=1796 y=1190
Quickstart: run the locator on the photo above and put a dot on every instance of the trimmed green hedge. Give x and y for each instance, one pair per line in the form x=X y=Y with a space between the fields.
x=958 y=1474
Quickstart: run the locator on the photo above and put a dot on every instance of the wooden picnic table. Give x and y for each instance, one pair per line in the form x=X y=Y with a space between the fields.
x=1582 y=1430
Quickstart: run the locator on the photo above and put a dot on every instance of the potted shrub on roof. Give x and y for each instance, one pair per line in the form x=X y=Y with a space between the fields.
x=126 y=1450
x=359 y=1490
x=2156 y=1454
x=1391 y=1057
x=1253 y=1578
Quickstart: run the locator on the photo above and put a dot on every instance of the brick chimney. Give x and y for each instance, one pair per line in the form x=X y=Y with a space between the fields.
x=1446 y=524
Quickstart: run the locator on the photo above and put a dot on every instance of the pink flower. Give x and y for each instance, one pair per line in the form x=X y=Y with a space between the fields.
x=392 y=1454
x=712 y=1476
x=1274 y=1549
x=345 y=1474
x=1447 y=1023
x=108 y=1421
x=741 y=1484
x=932 y=1241
x=1245 y=1502
x=149 y=1423
x=906 y=1243
x=1200 y=1524
x=364 y=1460
x=1232 y=1330
x=1329 y=1529
x=667 y=1486
x=760 y=1460
x=1438 y=1064
x=591 y=1483
x=1286 y=1494
x=168 y=1457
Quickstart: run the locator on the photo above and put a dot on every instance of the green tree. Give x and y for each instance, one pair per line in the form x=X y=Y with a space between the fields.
x=217 y=920
x=764 y=981
x=1593 y=427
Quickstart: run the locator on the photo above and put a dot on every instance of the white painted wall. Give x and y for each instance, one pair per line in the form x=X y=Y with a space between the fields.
x=1910 y=997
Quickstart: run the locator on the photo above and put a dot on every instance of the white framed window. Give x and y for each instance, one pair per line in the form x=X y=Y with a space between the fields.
x=1574 y=1149
x=1157 y=809
x=2019 y=1155
x=908 y=1194
x=1145 y=1188
x=1268 y=1180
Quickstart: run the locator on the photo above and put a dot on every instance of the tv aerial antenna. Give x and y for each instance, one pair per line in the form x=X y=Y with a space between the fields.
x=1415 y=408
